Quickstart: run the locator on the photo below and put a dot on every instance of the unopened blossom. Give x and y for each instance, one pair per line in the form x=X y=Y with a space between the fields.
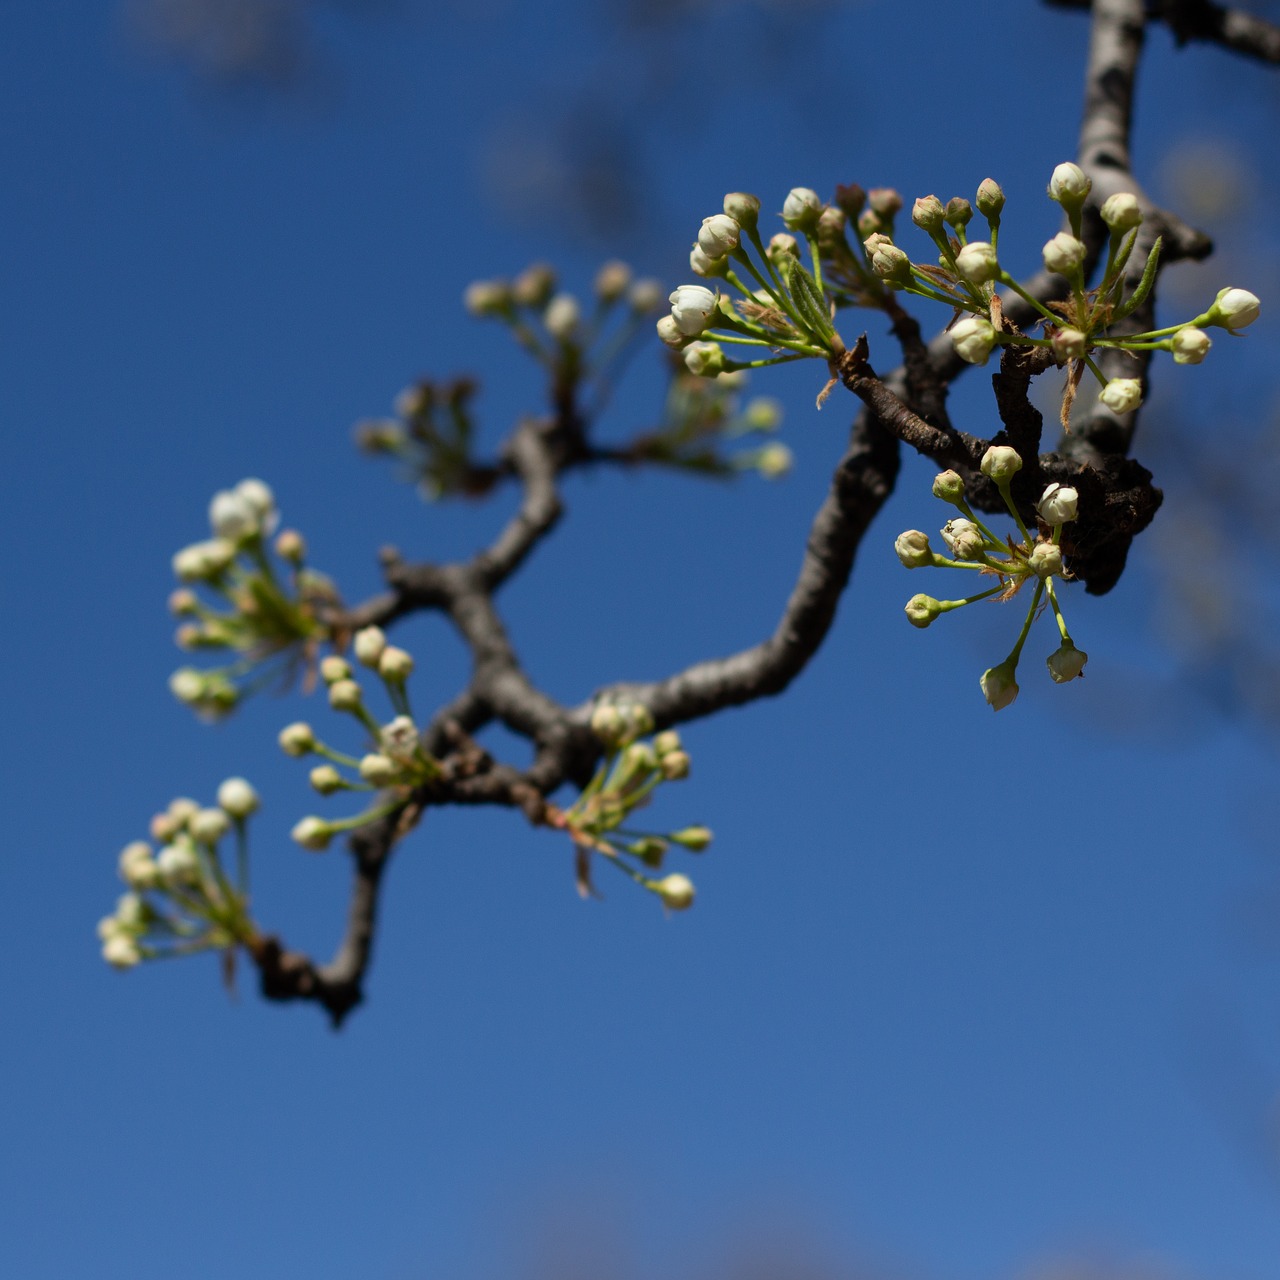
x=977 y=262
x=1069 y=185
x=1001 y=463
x=238 y=798
x=1066 y=662
x=912 y=549
x=676 y=891
x=1057 y=504
x=692 y=306
x=999 y=686
x=1122 y=395
x=1190 y=345
x=973 y=338
x=1064 y=254
x=719 y=235
x=801 y=209
x=1122 y=212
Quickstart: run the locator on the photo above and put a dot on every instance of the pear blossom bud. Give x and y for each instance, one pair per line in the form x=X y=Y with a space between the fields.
x=612 y=280
x=650 y=850
x=233 y=517
x=131 y=912
x=1121 y=395
x=885 y=201
x=674 y=765
x=345 y=695
x=291 y=546
x=763 y=413
x=1045 y=559
x=1063 y=254
x=379 y=436
x=977 y=262
x=692 y=306
x=831 y=227
x=666 y=742
x=187 y=685
x=1122 y=212
x=400 y=738
x=608 y=723
x=695 y=839
x=928 y=214
x=774 y=460
x=704 y=359
x=783 y=245
x=1066 y=662
x=1190 y=345
x=178 y=864
x=203 y=560
x=719 y=235
x=1001 y=463
x=325 y=779
x=312 y=833
x=534 y=286
x=368 y=644
x=963 y=538
x=137 y=867
x=1069 y=186
x=999 y=686
x=262 y=502
x=801 y=209
x=1057 y=504
x=238 y=798
x=669 y=333
x=973 y=339
x=912 y=548
x=639 y=719
x=703 y=265
x=562 y=316
x=645 y=296
x=395 y=665
x=379 y=770
x=182 y=810
x=297 y=739
x=183 y=603
x=921 y=610
x=163 y=828
x=870 y=223
x=676 y=891
x=639 y=758
x=334 y=668
x=949 y=486
x=487 y=297
x=744 y=209
x=959 y=212
x=1235 y=308
x=1068 y=344
x=121 y=951
x=990 y=198
x=209 y=825
x=887 y=260
x=850 y=198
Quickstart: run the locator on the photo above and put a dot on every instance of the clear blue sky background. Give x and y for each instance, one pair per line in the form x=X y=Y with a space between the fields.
x=962 y=994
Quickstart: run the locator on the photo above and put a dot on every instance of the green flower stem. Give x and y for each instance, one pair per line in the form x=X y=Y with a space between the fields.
x=963 y=506
x=242 y=856
x=1016 y=652
x=732 y=366
x=1093 y=368
x=363 y=819
x=1010 y=283
x=942 y=562
x=937 y=295
x=336 y=757
x=1057 y=610
x=804 y=348
x=398 y=693
x=1013 y=510
x=781 y=298
x=812 y=242
x=526 y=337
x=754 y=236
x=1127 y=344
x=945 y=606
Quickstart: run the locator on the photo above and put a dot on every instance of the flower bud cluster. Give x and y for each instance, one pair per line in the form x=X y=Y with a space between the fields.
x=182 y=896
x=1029 y=559
x=632 y=769
x=269 y=614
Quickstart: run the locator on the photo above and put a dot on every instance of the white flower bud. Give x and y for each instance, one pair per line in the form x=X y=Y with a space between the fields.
x=1066 y=663
x=1063 y=254
x=674 y=765
x=963 y=538
x=801 y=209
x=744 y=209
x=670 y=333
x=612 y=281
x=121 y=952
x=973 y=338
x=666 y=742
x=990 y=199
x=692 y=306
x=928 y=213
x=487 y=297
x=345 y=695
x=783 y=245
x=763 y=413
x=137 y=866
x=912 y=548
x=1045 y=559
x=334 y=668
x=534 y=286
x=998 y=684
x=238 y=798
x=203 y=560
x=291 y=546
x=608 y=723
x=887 y=260
x=1190 y=345
x=209 y=825
x=949 y=486
x=368 y=645
x=187 y=685
x=1057 y=504
x=704 y=359
x=921 y=610
x=977 y=262
x=325 y=779
x=178 y=864
x=562 y=316
x=379 y=770
x=181 y=811
x=1235 y=308
x=232 y=517
x=707 y=267
x=719 y=235
x=297 y=739
x=262 y=502
x=1121 y=395
x=312 y=833
x=400 y=738
x=395 y=665
x=1001 y=463
x=774 y=460
x=676 y=891
x=1069 y=186
x=1122 y=212
x=959 y=212
x=131 y=912
x=1068 y=344
x=644 y=296
x=695 y=839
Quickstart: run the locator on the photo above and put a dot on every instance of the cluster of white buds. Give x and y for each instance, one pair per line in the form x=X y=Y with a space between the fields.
x=1013 y=562
x=394 y=762
x=781 y=304
x=268 y=615
x=183 y=897
x=555 y=327
x=631 y=771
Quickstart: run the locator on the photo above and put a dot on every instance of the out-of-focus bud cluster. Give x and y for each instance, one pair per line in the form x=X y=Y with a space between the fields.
x=393 y=760
x=636 y=762
x=272 y=608
x=190 y=893
x=1031 y=558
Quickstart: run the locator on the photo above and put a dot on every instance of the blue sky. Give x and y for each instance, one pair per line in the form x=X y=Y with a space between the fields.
x=943 y=1021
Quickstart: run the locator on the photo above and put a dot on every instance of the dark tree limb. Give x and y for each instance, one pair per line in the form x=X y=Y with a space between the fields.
x=1200 y=20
